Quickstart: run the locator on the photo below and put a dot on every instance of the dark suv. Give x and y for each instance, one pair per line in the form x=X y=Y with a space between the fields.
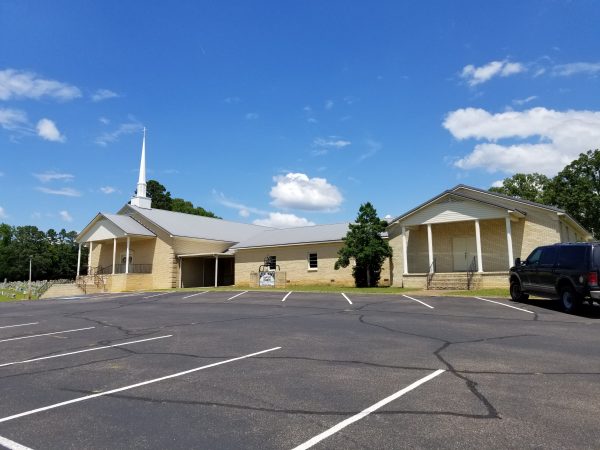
x=569 y=271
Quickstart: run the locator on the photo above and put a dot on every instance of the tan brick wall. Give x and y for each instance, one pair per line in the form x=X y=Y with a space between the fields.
x=294 y=261
x=537 y=229
x=130 y=282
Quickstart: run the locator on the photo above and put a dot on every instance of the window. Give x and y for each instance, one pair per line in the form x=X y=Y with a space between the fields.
x=313 y=262
x=548 y=257
x=572 y=257
x=534 y=258
x=272 y=262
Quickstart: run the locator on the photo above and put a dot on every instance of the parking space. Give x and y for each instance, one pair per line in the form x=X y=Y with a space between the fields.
x=267 y=369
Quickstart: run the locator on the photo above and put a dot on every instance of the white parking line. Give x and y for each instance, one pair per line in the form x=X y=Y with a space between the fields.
x=45 y=334
x=132 y=386
x=318 y=438
x=19 y=325
x=156 y=295
x=236 y=295
x=12 y=445
x=346 y=297
x=416 y=300
x=286 y=296
x=504 y=304
x=83 y=351
x=193 y=295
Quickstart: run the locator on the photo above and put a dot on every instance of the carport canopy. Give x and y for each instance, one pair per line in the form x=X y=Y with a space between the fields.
x=215 y=255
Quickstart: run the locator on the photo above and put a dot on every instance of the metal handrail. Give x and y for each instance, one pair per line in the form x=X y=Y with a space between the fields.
x=471 y=272
x=120 y=269
x=430 y=273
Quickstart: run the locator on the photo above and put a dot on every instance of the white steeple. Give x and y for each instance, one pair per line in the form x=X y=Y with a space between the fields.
x=140 y=198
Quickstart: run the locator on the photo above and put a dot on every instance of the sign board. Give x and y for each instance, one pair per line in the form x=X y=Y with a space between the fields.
x=266 y=279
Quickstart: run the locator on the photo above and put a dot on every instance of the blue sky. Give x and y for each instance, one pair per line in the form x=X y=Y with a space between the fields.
x=287 y=113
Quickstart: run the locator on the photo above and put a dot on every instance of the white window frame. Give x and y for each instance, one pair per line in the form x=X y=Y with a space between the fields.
x=312 y=269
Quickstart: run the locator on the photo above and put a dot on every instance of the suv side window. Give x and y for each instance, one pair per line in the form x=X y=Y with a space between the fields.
x=573 y=257
x=596 y=250
x=534 y=258
x=548 y=257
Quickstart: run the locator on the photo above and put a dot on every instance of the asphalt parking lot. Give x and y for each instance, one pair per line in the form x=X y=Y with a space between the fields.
x=305 y=370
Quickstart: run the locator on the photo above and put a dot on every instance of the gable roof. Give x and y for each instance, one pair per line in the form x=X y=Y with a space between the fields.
x=197 y=227
x=296 y=236
x=495 y=199
x=127 y=225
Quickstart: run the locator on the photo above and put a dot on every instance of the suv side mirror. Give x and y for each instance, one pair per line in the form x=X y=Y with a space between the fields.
x=517 y=262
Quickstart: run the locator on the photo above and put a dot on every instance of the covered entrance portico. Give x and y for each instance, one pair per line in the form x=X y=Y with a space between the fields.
x=454 y=236
x=206 y=270
x=118 y=247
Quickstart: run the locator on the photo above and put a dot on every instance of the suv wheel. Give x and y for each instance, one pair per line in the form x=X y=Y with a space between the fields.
x=516 y=293
x=569 y=299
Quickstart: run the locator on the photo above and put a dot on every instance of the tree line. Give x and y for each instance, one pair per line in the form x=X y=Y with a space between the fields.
x=575 y=189
x=53 y=254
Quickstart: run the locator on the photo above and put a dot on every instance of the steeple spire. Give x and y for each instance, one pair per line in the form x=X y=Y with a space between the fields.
x=140 y=198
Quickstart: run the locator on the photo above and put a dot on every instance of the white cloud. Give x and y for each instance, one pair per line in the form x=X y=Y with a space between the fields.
x=11 y=119
x=477 y=75
x=104 y=120
x=329 y=104
x=585 y=68
x=51 y=176
x=498 y=183
x=103 y=94
x=64 y=215
x=243 y=210
x=3 y=214
x=67 y=192
x=46 y=129
x=297 y=190
x=108 y=189
x=372 y=148
x=15 y=84
x=522 y=101
x=36 y=215
x=281 y=220
x=551 y=139
x=232 y=100
x=322 y=146
x=112 y=136
x=251 y=116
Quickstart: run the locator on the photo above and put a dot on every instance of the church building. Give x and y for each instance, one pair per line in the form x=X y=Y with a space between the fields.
x=465 y=237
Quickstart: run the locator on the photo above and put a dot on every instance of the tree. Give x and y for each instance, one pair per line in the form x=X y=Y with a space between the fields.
x=576 y=189
x=532 y=186
x=363 y=243
x=161 y=199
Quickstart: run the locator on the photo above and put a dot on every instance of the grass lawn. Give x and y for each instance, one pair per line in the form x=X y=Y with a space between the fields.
x=6 y=296
x=495 y=292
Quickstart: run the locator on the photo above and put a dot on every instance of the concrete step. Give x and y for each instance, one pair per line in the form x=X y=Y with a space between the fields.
x=63 y=290
x=450 y=281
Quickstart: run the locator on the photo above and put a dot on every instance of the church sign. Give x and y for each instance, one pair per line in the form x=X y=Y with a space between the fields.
x=266 y=278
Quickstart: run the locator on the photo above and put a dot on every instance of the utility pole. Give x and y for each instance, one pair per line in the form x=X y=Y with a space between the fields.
x=30 y=258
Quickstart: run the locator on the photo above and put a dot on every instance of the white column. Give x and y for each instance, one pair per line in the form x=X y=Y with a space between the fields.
x=180 y=272
x=509 y=242
x=404 y=252
x=478 y=242
x=430 y=248
x=216 y=270
x=127 y=255
x=90 y=259
x=79 y=260
x=114 y=255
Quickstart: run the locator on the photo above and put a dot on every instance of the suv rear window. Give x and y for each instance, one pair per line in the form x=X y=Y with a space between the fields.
x=596 y=256
x=573 y=257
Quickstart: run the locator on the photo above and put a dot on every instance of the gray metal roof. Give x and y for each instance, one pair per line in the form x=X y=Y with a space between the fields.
x=301 y=235
x=198 y=227
x=129 y=225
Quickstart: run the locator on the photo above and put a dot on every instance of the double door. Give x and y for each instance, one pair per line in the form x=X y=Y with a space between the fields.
x=464 y=249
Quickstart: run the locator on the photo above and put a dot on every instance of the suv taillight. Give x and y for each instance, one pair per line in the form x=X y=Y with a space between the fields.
x=592 y=279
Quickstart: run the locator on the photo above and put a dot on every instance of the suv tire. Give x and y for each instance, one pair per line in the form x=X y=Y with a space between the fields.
x=569 y=299
x=516 y=293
